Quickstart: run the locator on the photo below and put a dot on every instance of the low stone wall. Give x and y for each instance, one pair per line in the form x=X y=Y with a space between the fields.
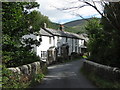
x=106 y=72
x=27 y=71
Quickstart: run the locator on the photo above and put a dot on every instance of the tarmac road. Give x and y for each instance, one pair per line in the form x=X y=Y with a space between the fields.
x=66 y=75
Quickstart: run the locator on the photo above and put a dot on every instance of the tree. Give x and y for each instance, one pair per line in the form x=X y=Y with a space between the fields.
x=105 y=48
x=93 y=3
x=96 y=38
x=18 y=21
x=104 y=41
x=112 y=34
x=37 y=20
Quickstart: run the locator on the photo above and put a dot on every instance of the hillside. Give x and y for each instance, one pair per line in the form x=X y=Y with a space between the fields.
x=75 y=23
x=56 y=26
x=77 y=26
x=74 y=29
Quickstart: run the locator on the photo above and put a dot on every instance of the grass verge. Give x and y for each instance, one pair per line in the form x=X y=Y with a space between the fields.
x=98 y=81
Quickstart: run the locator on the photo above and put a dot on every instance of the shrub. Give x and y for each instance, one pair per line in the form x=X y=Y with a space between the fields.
x=15 y=80
x=18 y=58
x=75 y=55
x=11 y=80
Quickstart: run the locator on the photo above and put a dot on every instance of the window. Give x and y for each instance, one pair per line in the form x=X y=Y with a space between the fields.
x=49 y=40
x=43 y=54
x=76 y=45
x=75 y=41
x=66 y=39
x=75 y=48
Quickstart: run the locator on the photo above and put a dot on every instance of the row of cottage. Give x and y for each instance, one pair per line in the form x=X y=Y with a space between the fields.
x=57 y=43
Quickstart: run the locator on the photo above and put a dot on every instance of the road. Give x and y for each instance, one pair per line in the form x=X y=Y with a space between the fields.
x=66 y=75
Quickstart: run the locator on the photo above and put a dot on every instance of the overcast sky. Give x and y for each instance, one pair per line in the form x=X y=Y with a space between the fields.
x=47 y=8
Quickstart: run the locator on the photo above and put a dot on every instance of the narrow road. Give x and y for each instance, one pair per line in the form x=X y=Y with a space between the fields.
x=66 y=76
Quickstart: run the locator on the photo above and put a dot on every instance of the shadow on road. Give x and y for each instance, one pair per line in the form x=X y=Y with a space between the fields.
x=65 y=75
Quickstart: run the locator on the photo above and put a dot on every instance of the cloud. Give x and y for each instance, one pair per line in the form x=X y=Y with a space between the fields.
x=47 y=8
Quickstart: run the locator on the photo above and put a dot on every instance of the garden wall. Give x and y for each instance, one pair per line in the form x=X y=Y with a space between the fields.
x=27 y=72
x=106 y=72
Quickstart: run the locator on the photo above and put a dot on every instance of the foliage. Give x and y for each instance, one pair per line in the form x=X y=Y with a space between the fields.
x=74 y=29
x=11 y=80
x=85 y=57
x=98 y=81
x=96 y=36
x=112 y=33
x=17 y=58
x=37 y=20
x=104 y=37
x=15 y=80
x=37 y=79
x=17 y=21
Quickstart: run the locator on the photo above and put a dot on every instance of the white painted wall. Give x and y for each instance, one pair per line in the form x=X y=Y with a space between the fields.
x=56 y=41
x=81 y=43
x=45 y=45
x=70 y=45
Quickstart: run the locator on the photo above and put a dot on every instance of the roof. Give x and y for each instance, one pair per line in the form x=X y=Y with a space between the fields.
x=84 y=36
x=45 y=33
x=62 y=33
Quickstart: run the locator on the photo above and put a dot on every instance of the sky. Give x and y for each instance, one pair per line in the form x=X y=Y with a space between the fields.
x=49 y=8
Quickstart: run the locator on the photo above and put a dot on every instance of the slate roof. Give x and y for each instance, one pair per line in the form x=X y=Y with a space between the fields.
x=45 y=33
x=60 y=33
x=85 y=37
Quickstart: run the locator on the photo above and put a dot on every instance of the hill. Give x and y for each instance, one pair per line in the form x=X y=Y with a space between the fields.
x=77 y=26
x=75 y=23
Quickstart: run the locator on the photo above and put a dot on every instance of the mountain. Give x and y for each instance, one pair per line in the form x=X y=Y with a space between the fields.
x=54 y=25
x=76 y=26
x=66 y=28
x=75 y=23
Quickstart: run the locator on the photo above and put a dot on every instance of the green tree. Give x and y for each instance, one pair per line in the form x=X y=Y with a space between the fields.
x=37 y=20
x=18 y=21
x=112 y=33
x=104 y=41
x=96 y=38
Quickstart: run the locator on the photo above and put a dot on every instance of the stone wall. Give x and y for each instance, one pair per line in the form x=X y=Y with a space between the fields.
x=27 y=71
x=106 y=72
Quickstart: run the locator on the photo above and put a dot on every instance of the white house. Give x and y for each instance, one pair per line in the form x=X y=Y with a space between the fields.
x=57 y=38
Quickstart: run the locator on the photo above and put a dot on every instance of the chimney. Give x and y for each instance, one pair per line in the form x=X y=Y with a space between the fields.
x=45 y=25
x=61 y=27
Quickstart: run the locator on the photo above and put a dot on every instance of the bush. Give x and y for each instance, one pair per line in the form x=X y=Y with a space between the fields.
x=75 y=55
x=15 y=80
x=99 y=81
x=11 y=80
x=18 y=58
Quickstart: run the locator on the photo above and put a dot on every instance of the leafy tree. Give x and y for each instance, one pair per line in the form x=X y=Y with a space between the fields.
x=104 y=41
x=96 y=38
x=18 y=21
x=112 y=33
x=37 y=20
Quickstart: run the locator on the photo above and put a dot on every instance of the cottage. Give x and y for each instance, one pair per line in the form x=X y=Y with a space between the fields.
x=63 y=42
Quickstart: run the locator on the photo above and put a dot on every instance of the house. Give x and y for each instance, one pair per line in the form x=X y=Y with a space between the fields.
x=63 y=43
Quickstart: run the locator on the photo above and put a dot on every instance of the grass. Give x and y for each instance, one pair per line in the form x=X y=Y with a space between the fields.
x=100 y=82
